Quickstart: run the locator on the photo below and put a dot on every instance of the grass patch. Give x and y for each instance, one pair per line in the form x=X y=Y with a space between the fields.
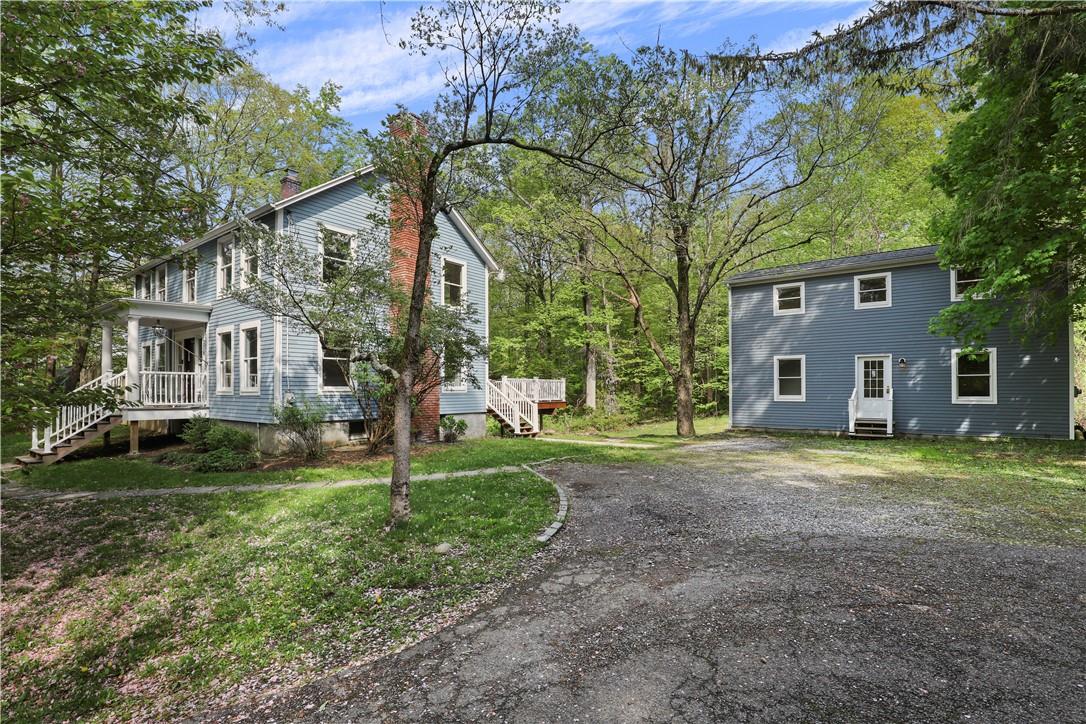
x=145 y=607
x=110 y=473
x=661 y=432
x=12 y=445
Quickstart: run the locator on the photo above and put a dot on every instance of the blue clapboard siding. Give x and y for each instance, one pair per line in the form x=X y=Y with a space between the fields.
x=451 y=243
x=1033 y=381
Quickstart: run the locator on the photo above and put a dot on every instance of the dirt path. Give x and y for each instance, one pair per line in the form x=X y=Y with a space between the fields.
x=692 y=594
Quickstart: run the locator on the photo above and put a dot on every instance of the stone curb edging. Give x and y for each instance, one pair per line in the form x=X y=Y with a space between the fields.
x=563 y=507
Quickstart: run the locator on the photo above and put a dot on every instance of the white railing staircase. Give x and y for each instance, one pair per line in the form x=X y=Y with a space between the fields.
x=74 y=426
x=870 y=426
x=516 y=412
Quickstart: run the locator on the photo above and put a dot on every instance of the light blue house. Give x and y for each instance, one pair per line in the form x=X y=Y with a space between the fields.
x=842 y=345
x=192 y=350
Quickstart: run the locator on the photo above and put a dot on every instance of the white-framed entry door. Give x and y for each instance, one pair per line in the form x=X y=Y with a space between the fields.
x=873 y=381
x=191 y=358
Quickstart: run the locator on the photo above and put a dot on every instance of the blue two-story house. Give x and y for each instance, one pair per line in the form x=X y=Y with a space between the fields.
x=843 y=346
x=193 y=350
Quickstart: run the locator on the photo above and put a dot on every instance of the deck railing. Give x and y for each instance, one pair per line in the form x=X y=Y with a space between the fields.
x=74 y=419
x=537 y=389
x=172 y=389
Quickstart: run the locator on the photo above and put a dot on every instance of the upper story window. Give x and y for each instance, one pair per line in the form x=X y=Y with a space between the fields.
x=789 y=298
x=160 y=283
x=143 y=290
x=973 y=377
x=137 y=287
x=226 y=266
x=248 y=267
x=872 y=290
x=961 y=281
x=335 y=251
x=452 y=282
x=188 y=292
x=789 y=378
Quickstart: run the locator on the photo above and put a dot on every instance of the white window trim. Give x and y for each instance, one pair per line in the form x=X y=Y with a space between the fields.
x=462 y=387
x=320 y=374
x=220 y=287
x=352 y=237
x=219 y=332
x=802 y=396
x=158 y=356
x=147 y=357
x=185 y=270
x=244 y=257
x=463 y=279
x=857 y=304
x=778 y=312
x=245 y=389
x=137 y=287
x=991 y=399
x=954 y=296
x=162 y=290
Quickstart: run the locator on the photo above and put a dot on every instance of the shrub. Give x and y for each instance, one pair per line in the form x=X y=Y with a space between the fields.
x=302 y=425
x=215 y=461
x=452 y=428
x=225 y=437
x=195 y=432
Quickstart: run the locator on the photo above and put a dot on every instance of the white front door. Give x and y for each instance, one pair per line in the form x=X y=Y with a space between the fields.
x=873 y=385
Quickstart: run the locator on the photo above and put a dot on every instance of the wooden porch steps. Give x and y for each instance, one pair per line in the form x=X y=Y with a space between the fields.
x=507 y=428
x=870 y=428
x=61 y=451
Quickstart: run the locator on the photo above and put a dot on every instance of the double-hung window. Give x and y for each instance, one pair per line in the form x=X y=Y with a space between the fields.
x=225 y=361
x=335 y=251
x=249 y=266
x=335 y=364
x=973 y=377
x=871 y=291
x=789 y=378
x=143 y=286
x=250 y=357
x=160 y=283
x=788 y=298
x=226 y=266
x=961 y=281
x=189 y=287
x=452 y=282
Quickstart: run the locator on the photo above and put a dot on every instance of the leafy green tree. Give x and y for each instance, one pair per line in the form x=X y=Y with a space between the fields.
x=1015 y=171
x=93 y=110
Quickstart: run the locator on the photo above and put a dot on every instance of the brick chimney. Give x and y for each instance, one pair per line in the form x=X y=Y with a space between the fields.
x=289 y=184
x=404 y=243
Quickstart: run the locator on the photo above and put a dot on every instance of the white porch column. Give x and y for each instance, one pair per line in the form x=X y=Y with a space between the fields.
x=133 y=373
x=107 y=350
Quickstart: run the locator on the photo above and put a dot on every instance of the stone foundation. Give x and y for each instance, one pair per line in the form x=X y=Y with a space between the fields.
x=476 y=424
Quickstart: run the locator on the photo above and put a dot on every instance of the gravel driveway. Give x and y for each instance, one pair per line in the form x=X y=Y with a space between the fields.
x=691 y=594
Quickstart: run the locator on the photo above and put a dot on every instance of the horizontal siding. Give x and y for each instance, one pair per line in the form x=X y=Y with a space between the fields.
x=1033 y=382
x=451 y=243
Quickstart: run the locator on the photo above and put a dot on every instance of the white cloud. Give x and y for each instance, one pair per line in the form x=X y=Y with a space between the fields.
x=798 y=37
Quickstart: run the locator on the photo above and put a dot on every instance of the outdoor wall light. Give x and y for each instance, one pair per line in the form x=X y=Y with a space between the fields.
x=902 y=363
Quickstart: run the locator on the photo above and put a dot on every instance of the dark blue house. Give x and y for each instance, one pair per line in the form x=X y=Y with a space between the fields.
x=842 y=345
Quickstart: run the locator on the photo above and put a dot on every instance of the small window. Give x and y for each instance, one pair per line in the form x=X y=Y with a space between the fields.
x=452 y=286
x=250 y=357
x=226 y=266
x=334 y=365
x=788 y=298
x=872 y=291
x=225 y=362
x=137 y=287
x=788 y=379
x=190 y=282
x=456 y=381
x=160 y=283
x=335 y=251
x=145 y=287
x=358 y=429
x=249 y=267
x=961 y=281
x=973 y=377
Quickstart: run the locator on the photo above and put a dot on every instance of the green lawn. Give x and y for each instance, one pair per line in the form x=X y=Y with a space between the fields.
x=661 y=432
x=138 y=607
x=117 y=472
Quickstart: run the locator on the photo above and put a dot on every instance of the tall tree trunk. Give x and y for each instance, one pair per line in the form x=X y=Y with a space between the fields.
x=82 y=346
x=589 y=346
x=683 y=375
x=610 y=376
x=400 y=491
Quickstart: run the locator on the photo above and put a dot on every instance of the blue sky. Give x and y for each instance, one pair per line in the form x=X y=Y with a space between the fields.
x=346 y=42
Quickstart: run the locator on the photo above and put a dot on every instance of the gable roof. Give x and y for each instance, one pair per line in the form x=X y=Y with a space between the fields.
x=824 y=267
x=458 y=220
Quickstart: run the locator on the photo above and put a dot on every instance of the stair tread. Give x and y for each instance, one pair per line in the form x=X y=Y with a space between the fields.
x=28 y=459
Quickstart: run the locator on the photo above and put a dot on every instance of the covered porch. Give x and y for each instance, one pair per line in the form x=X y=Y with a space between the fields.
x=165 y=371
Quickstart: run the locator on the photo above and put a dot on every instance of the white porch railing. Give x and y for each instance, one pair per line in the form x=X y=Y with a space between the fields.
x=514 y=408
x=74 y=419
x=172 y=389
x=853 y=402
x=536 y=389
